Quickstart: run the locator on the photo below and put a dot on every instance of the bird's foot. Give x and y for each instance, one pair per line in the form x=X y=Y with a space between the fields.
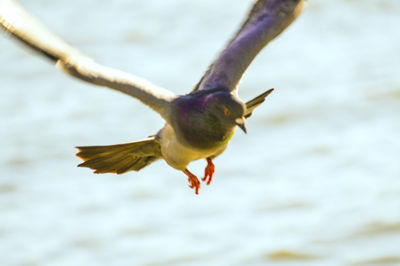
x=193 y=181
x=208 y=172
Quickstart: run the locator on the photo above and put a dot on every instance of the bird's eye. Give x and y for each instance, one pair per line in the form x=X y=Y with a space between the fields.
x=226 y=111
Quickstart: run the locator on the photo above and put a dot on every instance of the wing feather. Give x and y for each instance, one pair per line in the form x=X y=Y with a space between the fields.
x=25 y=28
x=266 y=20
x=254 y=103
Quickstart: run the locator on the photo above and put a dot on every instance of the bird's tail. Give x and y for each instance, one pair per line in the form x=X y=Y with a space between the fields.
x=120 y=158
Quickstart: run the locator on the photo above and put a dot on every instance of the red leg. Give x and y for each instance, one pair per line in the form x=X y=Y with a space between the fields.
x=209 y=171
x=194 y=182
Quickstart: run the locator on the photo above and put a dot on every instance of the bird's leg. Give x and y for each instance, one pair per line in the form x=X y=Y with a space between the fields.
x=209 y=171
x=194 y=182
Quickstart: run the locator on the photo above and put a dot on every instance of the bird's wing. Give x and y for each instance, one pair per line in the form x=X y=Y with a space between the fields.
x=18 y=23
x=254 y=103
x=266 y=20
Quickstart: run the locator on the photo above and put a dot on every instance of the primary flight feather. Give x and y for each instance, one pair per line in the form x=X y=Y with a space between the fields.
x=197 y=125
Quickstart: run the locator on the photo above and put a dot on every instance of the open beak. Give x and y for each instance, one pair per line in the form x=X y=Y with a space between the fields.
x=240 y=123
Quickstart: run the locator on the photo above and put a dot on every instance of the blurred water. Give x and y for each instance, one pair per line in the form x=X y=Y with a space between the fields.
x=315 y=182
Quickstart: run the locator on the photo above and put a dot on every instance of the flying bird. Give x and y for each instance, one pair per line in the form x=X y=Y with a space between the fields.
x=198 y=125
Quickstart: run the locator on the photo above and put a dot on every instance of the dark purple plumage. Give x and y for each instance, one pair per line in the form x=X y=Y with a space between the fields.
x=199 y=124
x=206 y=119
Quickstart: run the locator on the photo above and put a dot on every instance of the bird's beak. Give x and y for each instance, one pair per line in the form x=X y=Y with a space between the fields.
x=240 y=123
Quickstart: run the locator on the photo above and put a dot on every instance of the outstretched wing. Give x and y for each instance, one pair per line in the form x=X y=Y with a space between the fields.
x=18 y=23
x=266 y=20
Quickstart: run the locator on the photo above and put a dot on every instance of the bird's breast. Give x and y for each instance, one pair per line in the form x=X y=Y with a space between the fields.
x=203 y=131
x=178 y=153
x=197 y=126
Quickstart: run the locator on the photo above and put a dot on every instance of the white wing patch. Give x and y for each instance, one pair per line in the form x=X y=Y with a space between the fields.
x=25 y=28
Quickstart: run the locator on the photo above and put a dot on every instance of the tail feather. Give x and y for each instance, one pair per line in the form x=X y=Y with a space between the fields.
x=120 y=158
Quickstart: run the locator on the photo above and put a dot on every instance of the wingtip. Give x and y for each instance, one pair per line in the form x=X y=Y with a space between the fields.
x=268 y=92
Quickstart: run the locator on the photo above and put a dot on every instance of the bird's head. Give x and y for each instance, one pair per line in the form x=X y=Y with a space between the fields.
x=228 y=108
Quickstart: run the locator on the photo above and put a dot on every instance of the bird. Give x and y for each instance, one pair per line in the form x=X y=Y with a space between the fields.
x=199 y=124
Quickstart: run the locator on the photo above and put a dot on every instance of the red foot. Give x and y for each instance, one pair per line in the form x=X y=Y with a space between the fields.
x=194 y=182
x=209 y=171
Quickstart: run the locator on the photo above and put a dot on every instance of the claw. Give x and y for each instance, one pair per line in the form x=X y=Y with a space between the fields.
x=193 y=181
x=208 y=172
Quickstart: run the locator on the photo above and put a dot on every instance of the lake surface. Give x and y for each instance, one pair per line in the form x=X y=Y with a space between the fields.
x=316 y=181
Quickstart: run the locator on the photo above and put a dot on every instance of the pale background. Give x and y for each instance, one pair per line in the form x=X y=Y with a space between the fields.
x=316 y=181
